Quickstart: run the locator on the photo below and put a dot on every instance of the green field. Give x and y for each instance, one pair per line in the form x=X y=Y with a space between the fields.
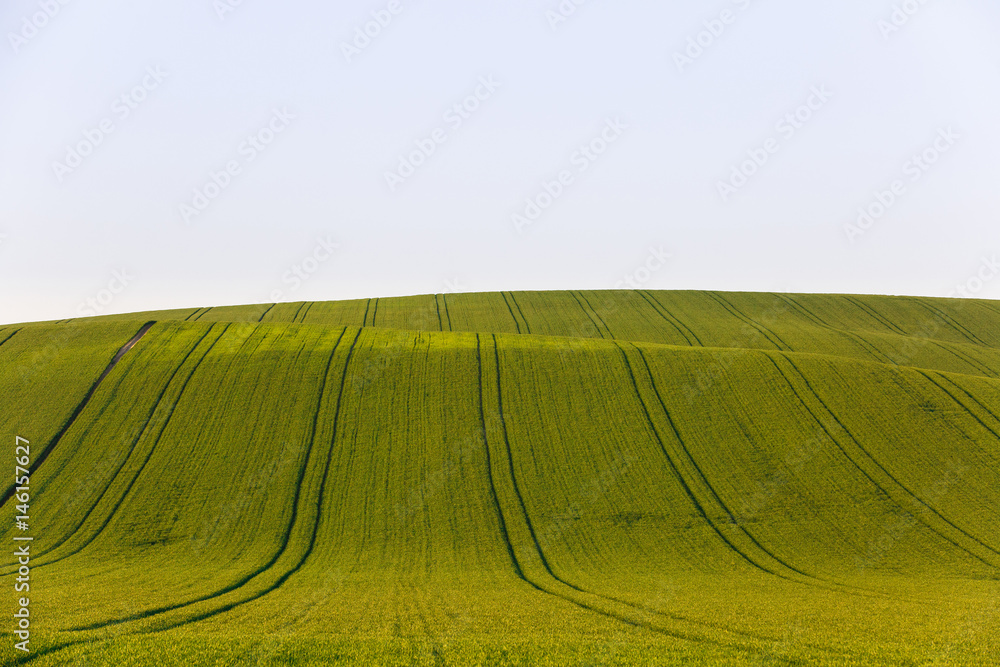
x=516 y=478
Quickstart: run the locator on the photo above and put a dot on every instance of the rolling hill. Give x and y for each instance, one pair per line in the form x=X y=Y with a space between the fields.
x=515 y=478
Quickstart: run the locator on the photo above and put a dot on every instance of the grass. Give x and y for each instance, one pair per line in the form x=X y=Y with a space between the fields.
x=582 y=478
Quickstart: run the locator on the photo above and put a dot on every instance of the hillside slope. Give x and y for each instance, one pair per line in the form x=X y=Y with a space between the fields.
x=959 y=335
x=520 y=478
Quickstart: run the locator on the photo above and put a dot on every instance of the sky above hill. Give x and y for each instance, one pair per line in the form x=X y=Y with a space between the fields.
x=210 y=152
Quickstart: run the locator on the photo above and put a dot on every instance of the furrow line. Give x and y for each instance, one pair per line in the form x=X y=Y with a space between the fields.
x=982 y=368
x=986 y=305
x=139 y=433
x=315 y=525
x=489 y=470
x=673 y=317
x=510 y=467
x=149 y=455
x=572 y=596
x=633 y=606
x=865 y=345
x=305 y=313
x=954 y=324
x=261 y=318
x=447 y=312
x=587 y=313
x=59 y=647
x=875 y=315
x=512 y=315
x=33 y=468
x=915 y=501
x=666 y=319
x=288 y=529
x=767 y=333
x=802 y=309
x=974 y=400
x=677 y=473
x=9 y=337
x=684 y=455
x=527 y=327
x=604 y=324
x=823 y=583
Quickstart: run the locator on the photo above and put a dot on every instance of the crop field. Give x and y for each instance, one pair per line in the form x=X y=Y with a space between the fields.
x=517 y=478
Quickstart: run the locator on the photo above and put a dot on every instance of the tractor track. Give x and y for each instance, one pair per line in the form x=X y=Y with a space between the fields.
x=163 y=425
x=966 y=358
x=875 y=315
x=604 y=324
x=850 y=335
x=916 y=501
x=268 y=310
x=971 y=397
x=714 y=496
x=665 y=312
x=954 y=324
x=315 y=526
x=33 y=468
x=285 y=541
x=9 y=337
x=437 y=307
x=767 y=333
x=549 y=589
x=139 y=433
x=513 y=299
x=517 y=324
x=669 y=320
x=305 y=313
x=586 y=312
x=447 y=312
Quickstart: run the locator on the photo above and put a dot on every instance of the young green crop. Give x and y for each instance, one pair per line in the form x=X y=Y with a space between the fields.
x=528 y=478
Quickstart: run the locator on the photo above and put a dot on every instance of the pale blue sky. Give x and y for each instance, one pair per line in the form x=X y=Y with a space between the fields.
x=672 y=130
